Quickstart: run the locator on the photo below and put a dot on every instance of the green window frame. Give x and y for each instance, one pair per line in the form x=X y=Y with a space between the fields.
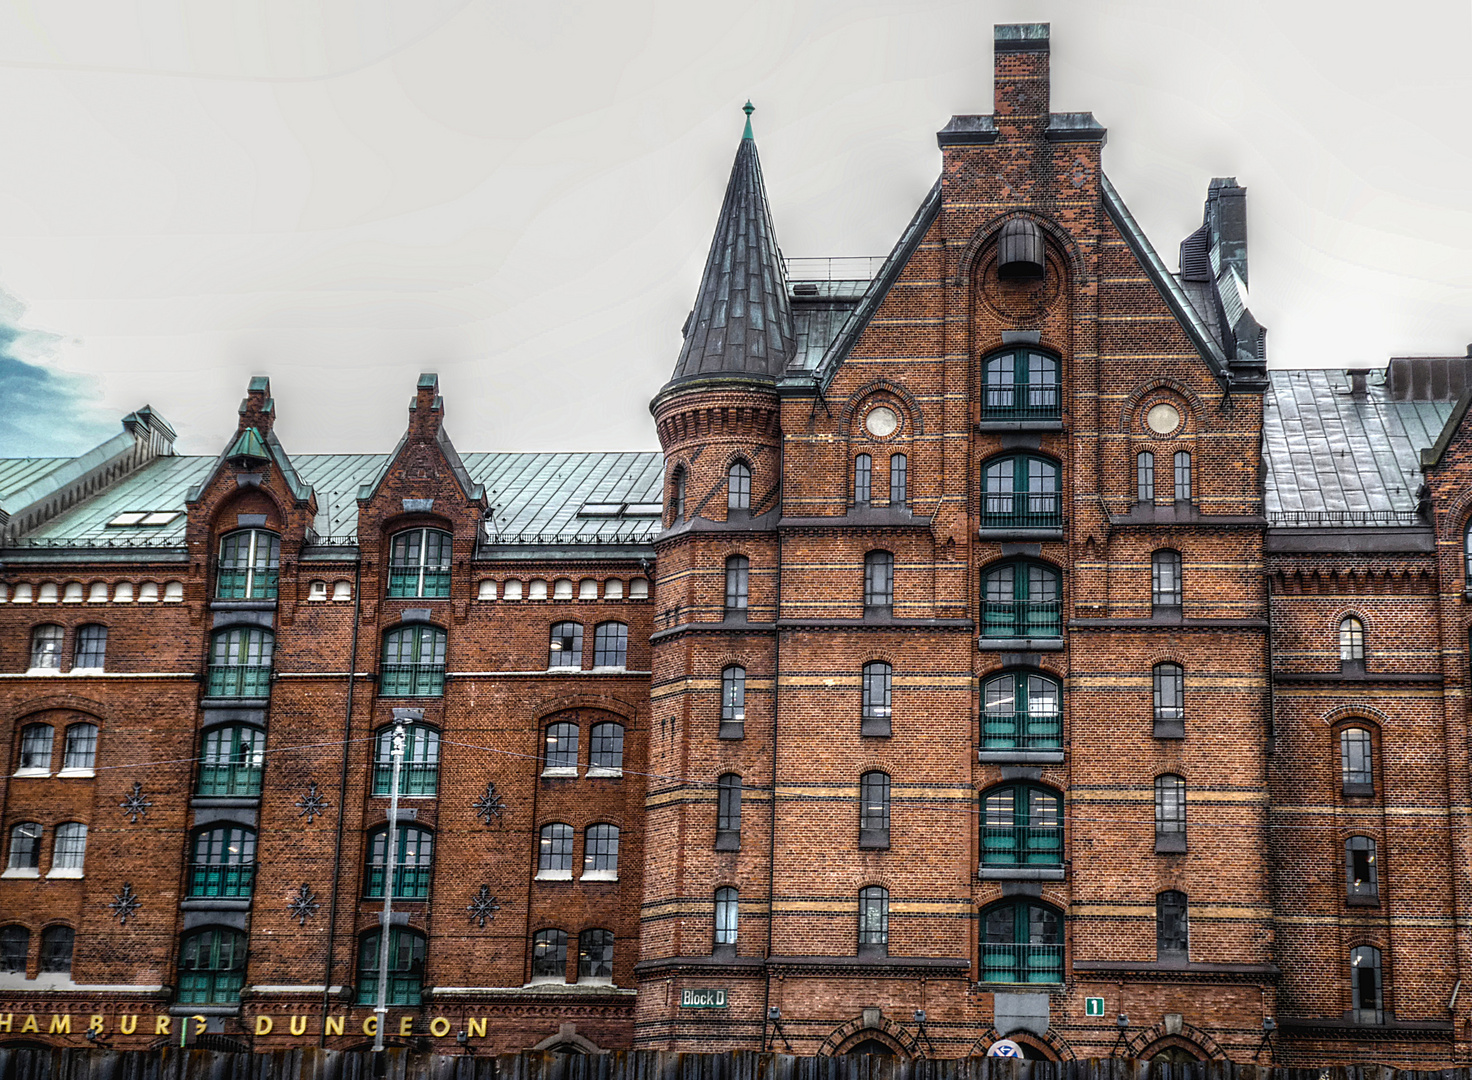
x=240 y=662
x=250 y=564
x=420 y=773
x=413 y=862
x=1021 y=710
x=1021 y=825
x=413 y=662
x=1022 y=599
x=223 y=865
x=1021 y=384
x=405 y=967
x=419 y=563
x=231 y=762
x=1021 y=942
x=212 y=967
x=1021 y=491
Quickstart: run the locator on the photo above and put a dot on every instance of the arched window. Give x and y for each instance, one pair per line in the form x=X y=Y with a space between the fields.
x=1168 y=685
x=240 y=663
x=90 y=651
x=1183 y=476
x=874 y=810
x=405 y=967
x=35 y=749
x=738 y=567
x=232 y=761
x=595 y=956
x=1021 y=825
x=1021 y=492
x=733 y=702
x=549 y=956
x=413 y=862
x=1357 y=761
x=1145 y=477
x=1021 y=942
x=1365 y=986
x=15 y=948
x=223 y=864
x=874 y=920
x=727 y=903
x=1362 y=876
x=677 y=495
x=419 y=563
x=250 y=561
x=899 y=480
x=1351 y=644
x=79 y=753
x=1020 y=384
x=876 y=708
x=863 y=479
x=738 y=486
x=561 y=755
x=68 y=850
x=600 y=853
x=606 y=750
x=1170 y=813
x=25 y=850
x=413 y=662
x=1172 y=928
x=554 y=852
x=566 y=647
x=46 y=647
x=728 y=812
x=878 y=581
x=420 y=772
x=1165 y=580
x=1021 y=600
x=611 y=645
x=212 y=967
x=1021 y=710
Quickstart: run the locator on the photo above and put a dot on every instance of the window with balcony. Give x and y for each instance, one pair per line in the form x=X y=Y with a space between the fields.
x=600 y=853
x=1356 y=762
x=899 y=480
x=728 y=812
x=1170 y=813
x=727 y=903
x=419 y=563
x=1362 y=876
x=405 y=967
x=874 y=810
x=738 y=570
x=35 y=750
x=877 y=707
x=419 y=774
x=90 y=651
x=874 y=921
x=250 y=562
x=212 y=967
x=46 y=641
x=240 y=663
x=1365 y=986
x=1020 y=385
x=738 y=486
x=565 y=650
x=1145 y=477
x=232 y=761
x=1172 y=928
x=15 y=948
x=413 y=862
x=413 y=662
x=1022 y=825
x=611 y=645
x=1021 y=942
x=878 y=582
x=554 y=852
x=606 y=750
x=79 y=750
x=1021 y=710
x=560 y=758
x=1165 y=582
x=1021 y=492
x=549 y=956
x=863 y=480
x=1022 y=600
x=223 y=863
x=733 y=702
x=595 y=956
x=68 y=850
x=1168 y=686
x=1183 y=476
x=1351 y=646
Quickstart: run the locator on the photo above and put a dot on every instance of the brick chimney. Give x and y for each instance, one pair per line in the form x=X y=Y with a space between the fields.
x=427 y=410
x=258 y=410
x=1021 y=95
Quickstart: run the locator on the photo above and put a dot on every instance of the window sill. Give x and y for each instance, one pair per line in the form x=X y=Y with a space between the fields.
x=1169 y=729
x=1020 y=873
x=873 y=839
x=22 y=872
x=215 y=903
x=599 y=875
x=548 y=980
x=875 y=728
x=560 y=771
x=72 y=872
x=610 y=668
x=1362 y=901
x=728 y=840
x=553 y=875
x=1359 y=791
x=1170 y=845
x=33 y=773
x=88 y=671
x=77 y=774
x=564 y=669
x=596 y=771
x=732 y=729
x=1020 y=533
x=43 y=671
x=1020 y=757
x=998 y=424
x=998 y=644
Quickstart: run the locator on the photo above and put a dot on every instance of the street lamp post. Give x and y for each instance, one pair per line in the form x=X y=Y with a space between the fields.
x=380 y=1008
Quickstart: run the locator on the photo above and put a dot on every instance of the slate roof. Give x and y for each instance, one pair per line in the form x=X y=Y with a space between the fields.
x=1335 y=459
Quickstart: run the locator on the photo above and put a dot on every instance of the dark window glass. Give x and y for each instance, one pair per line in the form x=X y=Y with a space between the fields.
x=25 y=846
x=405 y=967
x=91 y=650
x=420 y=772
x=874 y=810
x=1022 y=825
x=1021 y=492
x=595 y=956
x=1172 y=930
x=554 y=851
x=1183 y=476
x=1362 y=876
x=1020 y=384
x=737 y=569
x=606 y=747
x=733 y=695
x=1021 y=710
x=249 y=565
x=1357 y=761
x=738 y=487
x=549 y=955
x=566 y=646
x=46 y=647
x=677 y=496
x=223 y=862
x=1145 y=477
x=419 y=563
x=600 y=851
x=240 y=663
x=863 y=479
x=878 y=579
x=1165 y=579
x=1021 y=942
x=876 y=711
x=80 y=747
x=413 y=862
x=1351 y=640
x=69 y=848
x=56 y=949
x=899 y=480
x=611 y=645
x=1170 y=692
x=728 y=803
x=874 y=918
x=1021 y=600
x=212 y=967
x=1365 y=985
x=1170 y=813
x=413 y=662
x=15 y=944
x=562 y=746
x=726 y=917
x=35 y=746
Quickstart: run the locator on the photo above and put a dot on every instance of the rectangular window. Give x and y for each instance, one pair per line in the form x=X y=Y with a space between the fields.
x=899 y=480
x=874 y=920
x=610 y=645
x=1170 y=709
x=726 y=916
x=874 y=810
x=91 y=648
x=1172 y=934
x=70 y=850
x=1145 y=477
x=35 y=747
x=25 y=848
x=1357 y=762
x=606 y=750
x=1362 y=876
x=737 y=569
x=1170 y=814
x=878 y=580
x=566 y=646
x=595 y=956
x=46 y=648
x=549 y=956
x=1165 y=579
x=874 y=719
x=600 y=853
x=733 y=703
x=555 y=851
x=863 y=479
x=80 y=753
x=1183 y=476
x=728 y=813
x=561 y=756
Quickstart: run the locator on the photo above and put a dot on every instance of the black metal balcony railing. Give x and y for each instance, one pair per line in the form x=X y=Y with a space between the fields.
x=405 y=582
x=1020 y=401
x=1022 y=845
x=238 y=680
x=1021 y=731
x=410 y=882
x=1021 y=963
x=1022 y=618
x=226 y=780
x=1022 y=510
x=224 y=880
x=415 y=778
x=411 y=680
x=244 y=584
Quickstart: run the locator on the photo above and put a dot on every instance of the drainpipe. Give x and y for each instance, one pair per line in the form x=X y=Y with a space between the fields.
x=776 y=711
x=390 y=857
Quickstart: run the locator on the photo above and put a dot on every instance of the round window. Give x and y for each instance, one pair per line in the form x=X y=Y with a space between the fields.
x=881 y=421
x=1163 y=418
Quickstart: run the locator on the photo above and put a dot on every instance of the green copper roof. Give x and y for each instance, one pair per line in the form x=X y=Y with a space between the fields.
x=250 y=445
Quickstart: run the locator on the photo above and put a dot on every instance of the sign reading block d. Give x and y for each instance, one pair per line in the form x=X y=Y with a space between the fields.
x=709 y=998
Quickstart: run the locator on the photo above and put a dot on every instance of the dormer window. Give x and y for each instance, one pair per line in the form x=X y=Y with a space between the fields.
x=419 y=563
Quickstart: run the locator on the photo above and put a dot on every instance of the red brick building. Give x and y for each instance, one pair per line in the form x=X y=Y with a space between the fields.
x=996 y=648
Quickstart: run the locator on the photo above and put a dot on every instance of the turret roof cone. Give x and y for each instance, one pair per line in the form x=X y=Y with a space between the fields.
x=741 y=326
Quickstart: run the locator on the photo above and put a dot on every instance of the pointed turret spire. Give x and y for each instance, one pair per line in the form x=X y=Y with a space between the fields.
x=741 y=326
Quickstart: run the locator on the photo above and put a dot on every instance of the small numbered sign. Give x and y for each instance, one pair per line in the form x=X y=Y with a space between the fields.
x=1093 y=1006
x=1004 y=1048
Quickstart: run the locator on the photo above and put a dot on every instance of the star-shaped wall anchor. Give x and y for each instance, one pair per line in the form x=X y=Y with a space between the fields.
x=312 y=805
x=490 y=805
x=483 y=906
x=303 y=905
x=125 y=904
x=134 y=805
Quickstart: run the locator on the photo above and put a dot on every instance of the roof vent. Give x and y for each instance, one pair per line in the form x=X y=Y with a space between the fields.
x=1020 y=251
x=1357 y=381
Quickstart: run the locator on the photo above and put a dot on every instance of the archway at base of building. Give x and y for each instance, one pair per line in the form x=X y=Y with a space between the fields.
x=871 y=1046
x=568 y=1041
x=1033 y=1048
x=1174 y=1051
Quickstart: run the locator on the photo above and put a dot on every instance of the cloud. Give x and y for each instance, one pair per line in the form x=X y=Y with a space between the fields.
x=43 y=412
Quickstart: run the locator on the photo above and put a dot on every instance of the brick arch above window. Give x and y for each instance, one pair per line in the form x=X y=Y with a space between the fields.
x=1359 y=715
x=855 y=408
x=1195 y=407
x=1062 y=243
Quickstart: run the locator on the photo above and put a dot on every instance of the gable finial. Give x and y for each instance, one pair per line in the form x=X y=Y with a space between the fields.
x=748 y=109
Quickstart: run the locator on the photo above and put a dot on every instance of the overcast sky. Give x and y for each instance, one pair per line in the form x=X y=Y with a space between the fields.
x=341 y=194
